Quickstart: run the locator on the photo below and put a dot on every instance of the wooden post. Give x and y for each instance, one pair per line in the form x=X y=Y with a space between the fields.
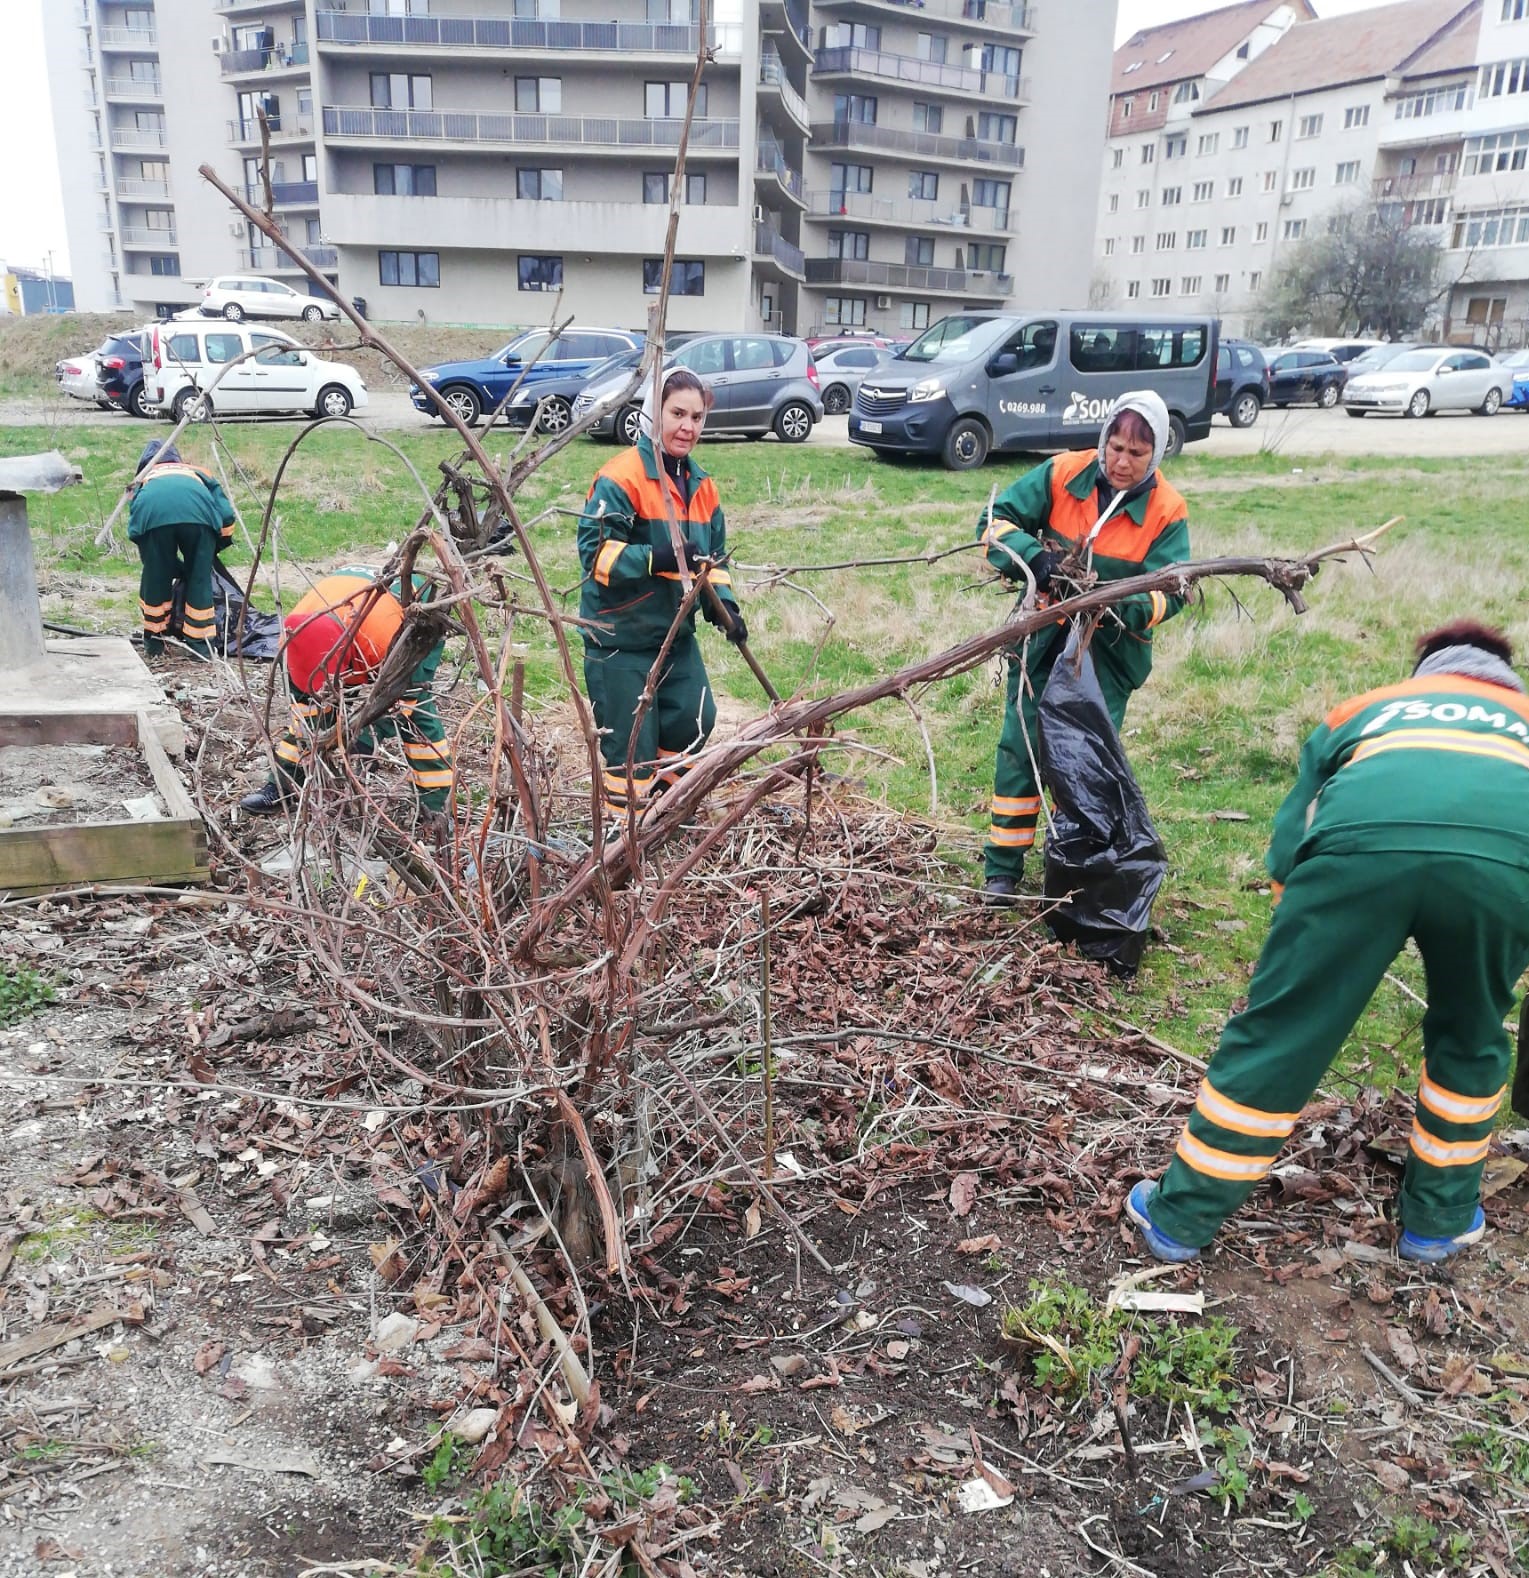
x=21 y=642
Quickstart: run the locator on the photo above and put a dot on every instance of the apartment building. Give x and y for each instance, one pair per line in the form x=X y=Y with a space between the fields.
x=1269 y=145
x=862 y=164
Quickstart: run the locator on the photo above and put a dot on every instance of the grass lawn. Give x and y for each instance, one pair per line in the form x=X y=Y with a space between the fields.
x=1240 y=680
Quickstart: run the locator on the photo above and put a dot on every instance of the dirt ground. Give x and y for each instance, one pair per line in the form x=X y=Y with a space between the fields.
x=231 y=1336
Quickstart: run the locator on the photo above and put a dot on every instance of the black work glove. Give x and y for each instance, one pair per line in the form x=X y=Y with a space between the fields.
x=665 y=563
x=740 y=631
x=1042 y=565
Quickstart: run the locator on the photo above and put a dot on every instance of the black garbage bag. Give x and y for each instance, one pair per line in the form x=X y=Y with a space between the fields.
x=1103 y=854
x=241 y=631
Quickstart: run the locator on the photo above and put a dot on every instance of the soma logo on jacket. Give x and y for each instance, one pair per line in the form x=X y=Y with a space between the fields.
x=1446 y=712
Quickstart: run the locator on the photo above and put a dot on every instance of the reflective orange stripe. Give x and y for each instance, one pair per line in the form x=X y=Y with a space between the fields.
x=610 y=552
x=1159 y=609
x=156 y=608
x=1464 y=741
x=1016 y=805
x=1206 y=1159
x=289 y=751
x=1454 y=1108
x=1228 y=1114
x=427 y=750
x=433 y=780
x=1011 y=837
x=1444 y=1153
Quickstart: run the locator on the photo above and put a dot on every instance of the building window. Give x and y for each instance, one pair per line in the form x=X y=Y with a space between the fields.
x=1355 y=116
x=688 y=277
x=539 y=273
x=928 y=117
x=851 y=35
x=539 y=95
x=1294 y=229
x=665 y=101
x=164 y=263
x=1189 y=285
x=1144 y=198
x=1255 y=279
x=1152 y=102
x=1114 y=202
x=1309 y=126
x=1223 y=284
x=1117 y=158
x=539 y=186
x=159 y=219
x=1347 y=173
x=918 y=251
x=403 y=180
x=1194 y=239
x=924 y=184
x=1000 y=59
x=1303 y=180
x=1208 y=144
x=1504 y=77
x=913 y=315
x=988 y=193
x=1167 y=240
x=1496 y=154
x=1239 y=137
x=1162 y=287
x=409 y=268
x=1176 y=147
x=845 y=312
x=1228 y=235
x=1133 y=290
x=1441 y=101
x=849 y=244
x=1271 y=180
x=1497 y=227
x=1261 y=231
x=1126 y=106
x=986 y=255
x=1171 y=195
x=847 y=178
x=1109 y=246
x=993 y=127
x=1187 y=93
x=1138 y=245
x=1148 y=152
x=655 y=186
x=1515 y=10
x=1204 y=191
x=398 y=90
x=932 y=46
x=1234 y=186
x=857 y=107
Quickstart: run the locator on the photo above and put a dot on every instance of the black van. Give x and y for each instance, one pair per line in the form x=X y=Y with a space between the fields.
x=981 y=381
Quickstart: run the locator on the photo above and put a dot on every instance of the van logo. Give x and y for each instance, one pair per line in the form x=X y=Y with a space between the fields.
x=1081 y=409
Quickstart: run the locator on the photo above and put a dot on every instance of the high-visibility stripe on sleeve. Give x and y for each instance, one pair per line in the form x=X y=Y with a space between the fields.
x=1016 y=805
x=1228 y=1114
x=996 y=531
x=1207 y=1159
x=720 y=577
x=610 y=552
x=1159 y=609
x=1455 y=1108
x=1444 y=1153
x=1011 y=837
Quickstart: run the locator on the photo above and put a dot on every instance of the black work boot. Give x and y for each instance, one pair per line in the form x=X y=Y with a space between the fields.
x=999 y=892
x=267 y=800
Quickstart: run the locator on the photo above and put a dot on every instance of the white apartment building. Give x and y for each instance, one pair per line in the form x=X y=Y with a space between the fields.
x=871 y=163
x=1197 y=211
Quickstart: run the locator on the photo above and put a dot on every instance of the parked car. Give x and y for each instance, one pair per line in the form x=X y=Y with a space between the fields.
x=981 y=381
x=1305 y=378
x=557 y=395
x=239 y=296
x=1378 y=356
x=821 y=345
x=282 y=375
x=840 y=371
x=1517 y=363
x=470 y=388
x=762 y=383
x=1431 y=378
x=119 y=371
x=1344 y=351
x=78 y=377
x=1242 y=382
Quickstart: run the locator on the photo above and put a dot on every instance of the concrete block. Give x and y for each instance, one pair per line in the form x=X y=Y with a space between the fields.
x=101 y=673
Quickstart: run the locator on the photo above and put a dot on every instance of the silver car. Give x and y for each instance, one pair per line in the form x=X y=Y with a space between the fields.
x=1428 y=379
x=763 y=383
x=840 y=372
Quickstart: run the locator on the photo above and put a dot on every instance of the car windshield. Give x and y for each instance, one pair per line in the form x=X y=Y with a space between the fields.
x=1381 y=356
x=614 y=364
x=1518 y=361
x=956 y=339
x=1413 y=362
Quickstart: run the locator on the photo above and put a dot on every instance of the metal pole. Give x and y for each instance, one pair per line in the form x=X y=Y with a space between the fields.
x=21 y=641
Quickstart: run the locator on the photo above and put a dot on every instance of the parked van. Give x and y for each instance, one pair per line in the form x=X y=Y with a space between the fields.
x=981 y=381
x=282 y=375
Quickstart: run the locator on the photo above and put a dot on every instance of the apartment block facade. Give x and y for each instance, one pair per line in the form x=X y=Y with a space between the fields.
x=865 y=163
x=1244 y=131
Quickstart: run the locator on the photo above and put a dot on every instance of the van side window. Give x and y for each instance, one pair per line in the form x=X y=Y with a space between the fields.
x=1102 y=348
x=184 y=348
x=1035 y=344
x=1175 y=346
x=224 y=347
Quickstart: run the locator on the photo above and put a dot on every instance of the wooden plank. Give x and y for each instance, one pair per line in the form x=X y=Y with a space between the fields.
x=166 y=780
x=73 y=854
x=46 y=1337
x=69 y=728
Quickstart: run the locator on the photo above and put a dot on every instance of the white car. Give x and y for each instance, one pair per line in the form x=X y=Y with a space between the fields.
x=238 y=296
x=76 y=377
x=281 y=375
x=1428 y=379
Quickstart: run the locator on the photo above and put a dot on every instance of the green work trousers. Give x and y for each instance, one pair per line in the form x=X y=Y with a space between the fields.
x=167 y=553
x=1016 y=791
x=676 y=726
x=1341 y=921
x=415 y=722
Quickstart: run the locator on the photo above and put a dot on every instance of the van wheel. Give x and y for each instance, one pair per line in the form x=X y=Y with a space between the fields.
x=629 y=424
x=966 y=445
x=1245 y=409
x=1328 y=398
x=191 y=405
x=1176 y=435
x=334 y=400
x=312 y=314
x=793 y=423
x=836 y=400
x=233 y=312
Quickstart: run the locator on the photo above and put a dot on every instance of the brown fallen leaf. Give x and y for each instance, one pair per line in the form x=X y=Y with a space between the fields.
x=760 y=1383
x=1393 y=1478
x=985 y=1245
x=208 y=1355
x=1460 y=1375
x=1403 y=1348
x=752 y=1221
x=963 y=1194
x=1500 y=1171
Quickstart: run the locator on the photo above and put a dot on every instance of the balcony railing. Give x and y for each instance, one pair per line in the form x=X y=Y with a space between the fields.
x=912 y=211
x=768 y=242
x=989 y=13
x=589 y=131
x=907 y=276
x=137 y=236
x=129 y=38
x=283 y=192
x=266 y=259
x=918 y=73
x=237 y=7
x=503 y=32
x=282 y=126
x=796 y=19
x=771 y=161
x=137 y=188
x=134 y=88
x=772 y=73
x=962 y=150
x=1432 y=183
x=135 y=137
x=233 y=62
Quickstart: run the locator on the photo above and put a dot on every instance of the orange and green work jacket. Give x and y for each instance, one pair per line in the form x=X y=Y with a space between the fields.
x=1437 y=763
x=1056 y=506
x=623 y=521
x=179 y=495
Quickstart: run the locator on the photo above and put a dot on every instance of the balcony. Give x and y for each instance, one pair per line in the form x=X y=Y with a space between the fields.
x=138 y=89
x=284 y=194
x=481 y=126
x=1433 y=183
x=983 y=15
x=137 y=188
x=155 y=240
x=772 y=162
x=143 y=38
x=284 y=128
x=525 y=34
x=908 y=213
x=272 y=260
x=922 y=145
x=772 y=76
x=770 y=244
x=135 y=137
x=788 y=19
x=909 y=277
x=240 y=7
x=928 y=75
x=285 y=57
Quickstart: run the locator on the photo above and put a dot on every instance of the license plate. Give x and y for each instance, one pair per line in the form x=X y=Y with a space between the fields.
x=870 y=427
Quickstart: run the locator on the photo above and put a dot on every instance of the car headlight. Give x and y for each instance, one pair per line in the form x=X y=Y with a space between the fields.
x=926 y=389
x=522 y=397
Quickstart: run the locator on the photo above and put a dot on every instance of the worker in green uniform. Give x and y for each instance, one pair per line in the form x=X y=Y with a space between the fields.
x=178 y=519
x=1111 y=508
x=1410 y=818
x=632 y=592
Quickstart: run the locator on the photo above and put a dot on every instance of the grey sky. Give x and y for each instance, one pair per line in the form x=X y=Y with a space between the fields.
x=1137 y=14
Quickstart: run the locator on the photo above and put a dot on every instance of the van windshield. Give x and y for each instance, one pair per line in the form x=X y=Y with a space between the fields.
x=956 y=339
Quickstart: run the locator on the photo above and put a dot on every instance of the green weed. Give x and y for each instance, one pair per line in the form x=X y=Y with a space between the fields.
x=22 y=991
x=445 y=1463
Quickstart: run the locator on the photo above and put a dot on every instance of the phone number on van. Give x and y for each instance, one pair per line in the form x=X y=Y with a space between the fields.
x=1022 y=407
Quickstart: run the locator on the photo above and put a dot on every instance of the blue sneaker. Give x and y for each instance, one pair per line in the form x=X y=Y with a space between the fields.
x=1412 y=1246
x=1163 y=1247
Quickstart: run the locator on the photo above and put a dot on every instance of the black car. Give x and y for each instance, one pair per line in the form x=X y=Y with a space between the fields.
x=1306 y=377
x=119 y=374
x=1242 y=382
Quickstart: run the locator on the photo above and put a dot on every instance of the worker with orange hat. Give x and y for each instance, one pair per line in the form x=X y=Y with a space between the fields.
x=337 y=636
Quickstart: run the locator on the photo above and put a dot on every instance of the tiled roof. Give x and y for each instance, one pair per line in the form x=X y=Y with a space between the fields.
x=1388 y=40
x=1189 y=48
